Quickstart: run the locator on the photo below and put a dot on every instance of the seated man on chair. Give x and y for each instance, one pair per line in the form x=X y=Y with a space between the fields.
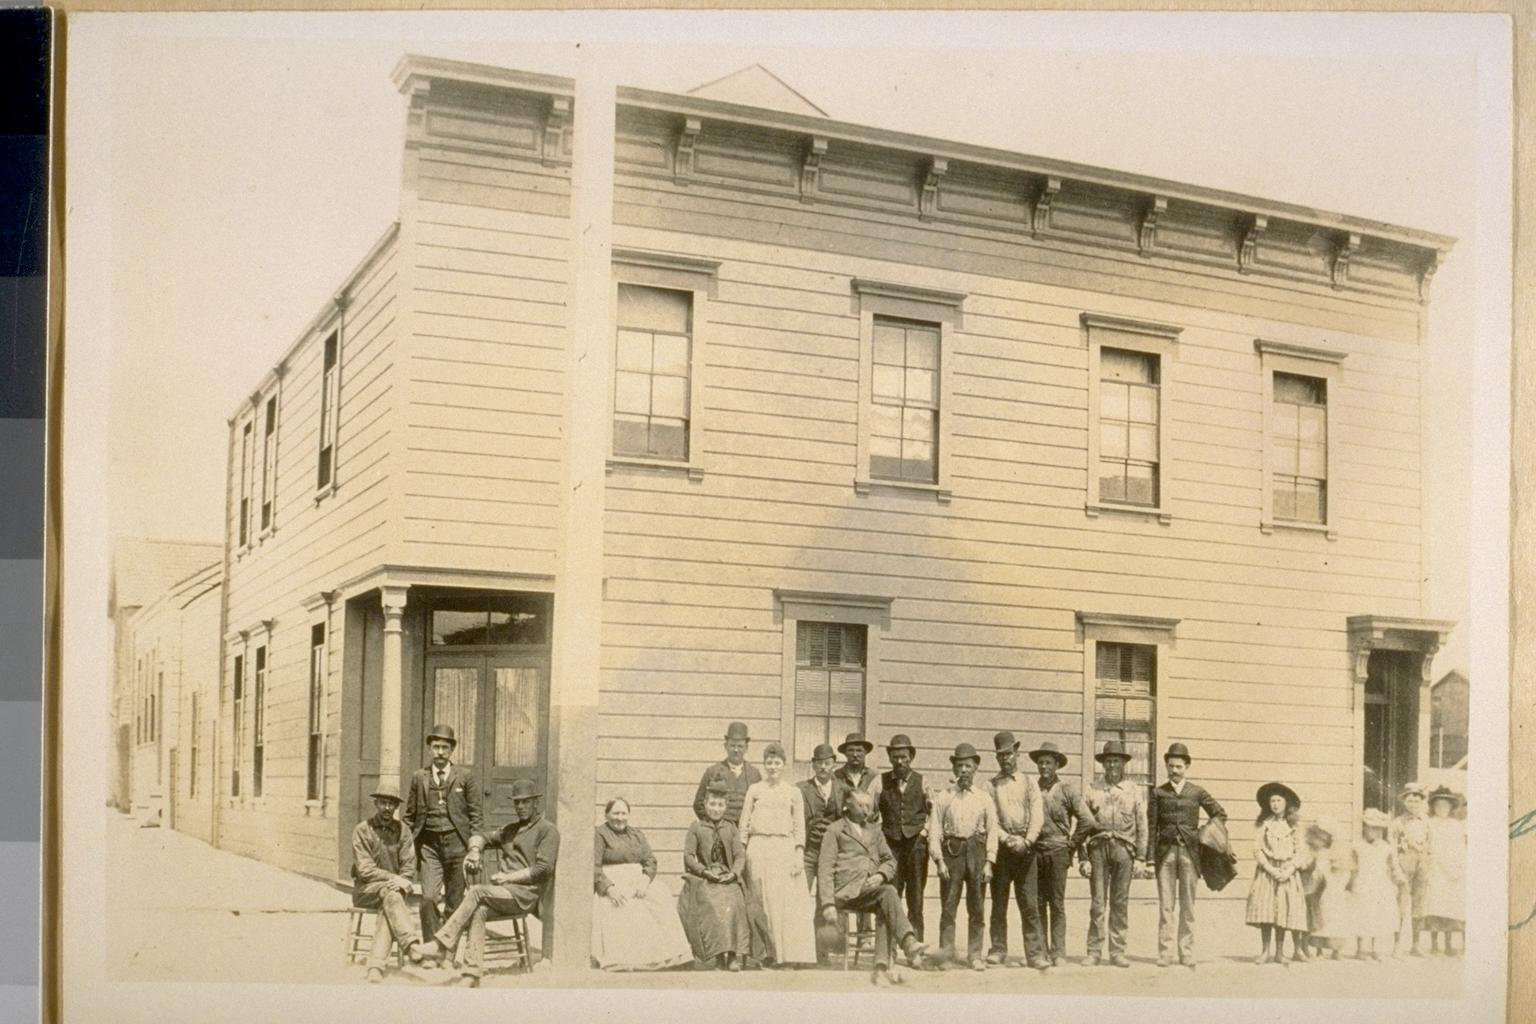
x=527 y=848
x=383 y=871
x=854 y=873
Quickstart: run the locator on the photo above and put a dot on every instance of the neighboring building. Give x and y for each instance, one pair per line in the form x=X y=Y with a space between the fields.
x=143 y=571
x=908 y=435
x=1443 y=755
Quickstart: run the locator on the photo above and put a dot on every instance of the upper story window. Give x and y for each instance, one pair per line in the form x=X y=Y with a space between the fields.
x=904 y=397
x=652 y=373
x=268 y=462
x=330 y=402
x=1129 y=414
x=247 y=449
x=1128 y=452
x=905 y=387
x=1301 y=389
x=1299 y=449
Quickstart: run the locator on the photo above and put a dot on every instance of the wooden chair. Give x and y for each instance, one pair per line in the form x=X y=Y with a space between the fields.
x=503 y=949
x=361 y=925
x=858 y=939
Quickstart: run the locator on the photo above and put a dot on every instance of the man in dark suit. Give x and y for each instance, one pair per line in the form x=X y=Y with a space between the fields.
x=733 y=771
x=442 y=812
x=903 y=808
x=853 y=873
x=1174 y=821
x=824 y=796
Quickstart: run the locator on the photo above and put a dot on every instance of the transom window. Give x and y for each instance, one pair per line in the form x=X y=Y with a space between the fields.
x=1124 y=703
x=483 y=621
x=830 y=663
x=903 y=441
x=651 y=376
x=1128 y=427
x=1299 y=449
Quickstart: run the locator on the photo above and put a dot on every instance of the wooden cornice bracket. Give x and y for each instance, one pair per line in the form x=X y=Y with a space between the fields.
x=810 y=170
x=686 y=143
x=1146 y=237
x=1426 y=275
x=555 y=124
x=1248 y=249
x=1346 y=249
x=928 y=197
x=1040 y=221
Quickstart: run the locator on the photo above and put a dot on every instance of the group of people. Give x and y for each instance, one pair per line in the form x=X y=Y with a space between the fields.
x=775 y=873
x=1406 y=874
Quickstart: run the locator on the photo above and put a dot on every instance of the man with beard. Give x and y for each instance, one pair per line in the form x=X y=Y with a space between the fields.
x=1019 y=813
x=854 y=773
x=383 y=871
x=904 y=807
x=1064 y=814
x=964 y=831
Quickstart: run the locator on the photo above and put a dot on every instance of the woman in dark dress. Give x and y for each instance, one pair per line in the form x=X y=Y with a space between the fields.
x=714 y=908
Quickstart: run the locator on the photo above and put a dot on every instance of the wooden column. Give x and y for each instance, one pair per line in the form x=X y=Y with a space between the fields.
x=576 y=653
x=392 y=684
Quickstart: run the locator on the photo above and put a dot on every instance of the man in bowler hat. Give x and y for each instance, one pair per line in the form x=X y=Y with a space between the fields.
x=442 y=811
x=1064 y=813
x=1175 y=825
x=1019 y=815
x=1113 y=841
x=527 y=850
x=383 y=872
x=903 y=809
x=734 y=771
x=964 y=831
x=824 y=796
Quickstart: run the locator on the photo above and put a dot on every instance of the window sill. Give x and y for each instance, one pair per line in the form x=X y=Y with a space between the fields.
x=1269 y=526
x=941 y=494
x=324 y=492
x=693 y=470
x=1094 y=509
x=313 y=808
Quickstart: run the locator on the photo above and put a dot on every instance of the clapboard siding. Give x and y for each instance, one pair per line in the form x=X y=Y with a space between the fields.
x=983 y=631
x=316 y=545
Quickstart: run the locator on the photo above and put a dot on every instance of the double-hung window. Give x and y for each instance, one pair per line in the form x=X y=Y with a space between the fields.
x=1128 y=456
x=268 y=463
x=195 y=744
x=652 y=371
x=1301 y=388
x=237 y=746
x=330 y=406
x=1125 y=658
x=313 y=764
x=247 y=469
x=259 y=723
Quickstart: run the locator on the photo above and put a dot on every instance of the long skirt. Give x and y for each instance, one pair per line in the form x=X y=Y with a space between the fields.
x=1445 y=899
x=776 y=880
x=1275 y=903
x=716 y=919
x=642 y=935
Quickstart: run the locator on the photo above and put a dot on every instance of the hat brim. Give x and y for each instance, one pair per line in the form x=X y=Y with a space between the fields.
x=863 y=745
x=1269 y=789
x=386 y=796
x=1101 y=758
x=968 y=757
x=445 y=739
x=903 y=746
x=1061 y=759
x=1451 y=798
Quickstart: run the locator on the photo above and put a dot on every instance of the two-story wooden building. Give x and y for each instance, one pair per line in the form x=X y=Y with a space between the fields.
x=906 y=436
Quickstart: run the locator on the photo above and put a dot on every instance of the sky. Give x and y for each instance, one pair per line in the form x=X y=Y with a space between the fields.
x=254 y=159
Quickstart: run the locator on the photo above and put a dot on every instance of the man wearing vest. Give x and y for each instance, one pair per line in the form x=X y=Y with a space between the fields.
x=1019 y=813
x=1064 y=814
x=442 y=812
x=733 y=771
x=903 y=814
x=824 y=796
x=1175 y=825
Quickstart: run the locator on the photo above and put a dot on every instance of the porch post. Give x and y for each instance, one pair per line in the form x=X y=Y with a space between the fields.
x=576 y=653
x=391 y=683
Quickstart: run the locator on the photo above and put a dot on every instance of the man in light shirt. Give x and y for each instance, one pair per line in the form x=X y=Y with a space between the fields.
x=1019 y=814
x=1113 y=841
x=963 y=834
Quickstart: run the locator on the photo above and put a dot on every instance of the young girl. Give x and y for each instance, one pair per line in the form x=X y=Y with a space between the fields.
x=1445 y=910
x=1377 y=887
x=1328 y=885
x=1276 y=902
x=773 y=825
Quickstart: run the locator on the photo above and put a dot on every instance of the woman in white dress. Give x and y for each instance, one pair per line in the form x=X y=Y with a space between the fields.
x=635 y=926
x=773 y=826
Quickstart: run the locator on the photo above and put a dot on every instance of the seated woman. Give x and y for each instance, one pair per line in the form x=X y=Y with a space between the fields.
x=634 y=926
x=714 y=909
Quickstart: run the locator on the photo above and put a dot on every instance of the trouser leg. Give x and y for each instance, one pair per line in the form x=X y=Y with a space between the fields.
x=452 y=848
x=1119 y=862
x=1187 y=879
x=975 y=863
x=429 y=857
x=1098 y=898
x=477 y=896
x=1003 y=875
x=402 y=923
x=1027 y=894
x=1052 y=868
x=949 y=896
x=1167 y=901
x=912 y=877
x=378 y=952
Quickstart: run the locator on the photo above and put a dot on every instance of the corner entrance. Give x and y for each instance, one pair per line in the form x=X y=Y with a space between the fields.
x=487 y=675
x=1392 y=684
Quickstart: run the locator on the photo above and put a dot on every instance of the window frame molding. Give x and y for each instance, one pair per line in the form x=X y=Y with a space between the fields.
x=317 y=608
x=245 y=480
x=241 y=661
x=700 y=277
x=333 y=324
x=944 y=310
x=791 y=607
x=1094 y=628
x=270 y=392
x=1303 y=361
x=1149 y=338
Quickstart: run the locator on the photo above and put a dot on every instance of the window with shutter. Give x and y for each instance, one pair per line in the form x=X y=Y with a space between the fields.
x=1125 y=703
x=830 y=664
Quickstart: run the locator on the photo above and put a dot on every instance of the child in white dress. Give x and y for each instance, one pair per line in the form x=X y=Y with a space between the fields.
x=1377 y=887
x=1328 y=890
x=1445 y=907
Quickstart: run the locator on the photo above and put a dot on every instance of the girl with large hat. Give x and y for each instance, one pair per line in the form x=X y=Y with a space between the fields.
x=1445 y=906
x=1277 y=902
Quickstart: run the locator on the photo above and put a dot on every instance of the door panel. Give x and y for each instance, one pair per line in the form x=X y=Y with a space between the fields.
x=455 y=682
x=515 y=727
x=1391 y=725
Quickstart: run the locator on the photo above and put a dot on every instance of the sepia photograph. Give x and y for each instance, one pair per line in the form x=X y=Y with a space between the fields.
x=745 y=510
